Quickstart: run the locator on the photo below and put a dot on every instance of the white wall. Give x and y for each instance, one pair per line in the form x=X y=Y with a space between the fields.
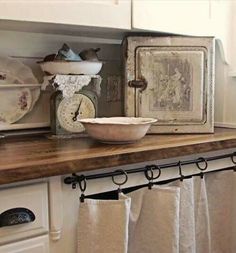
x=230 y=97
x=225 y=92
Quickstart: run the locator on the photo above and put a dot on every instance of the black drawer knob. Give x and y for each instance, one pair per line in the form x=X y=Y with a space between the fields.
x=16 y=216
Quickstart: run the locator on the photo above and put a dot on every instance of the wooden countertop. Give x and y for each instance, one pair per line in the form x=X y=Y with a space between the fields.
x=37 y=157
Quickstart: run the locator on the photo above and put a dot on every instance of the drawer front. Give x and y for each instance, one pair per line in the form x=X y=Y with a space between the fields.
x=31 y=197
x=35 y=245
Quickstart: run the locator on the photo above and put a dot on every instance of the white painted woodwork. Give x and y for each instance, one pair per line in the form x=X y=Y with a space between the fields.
x=35 y=245
x=222 y=26
x=225 y=74
x=91 y=32
x=221 y=80
x=232 y=41
x=232 y=73
x=173 y=16
x=35 y=198
x=56 y=207
x=98 y=13
x=193 y=17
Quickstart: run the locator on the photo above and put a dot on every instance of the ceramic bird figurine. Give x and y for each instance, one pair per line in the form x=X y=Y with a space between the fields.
x=67 y=54
x=89 y=54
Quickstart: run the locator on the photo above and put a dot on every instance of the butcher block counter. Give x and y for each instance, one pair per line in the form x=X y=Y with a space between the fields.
x=37 y=157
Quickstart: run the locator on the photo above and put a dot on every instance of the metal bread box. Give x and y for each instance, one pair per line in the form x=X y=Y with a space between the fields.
x=170 y=79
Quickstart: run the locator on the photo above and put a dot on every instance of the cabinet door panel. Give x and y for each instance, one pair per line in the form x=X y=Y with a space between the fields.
x=101 y=13
x=179 y=76
x=35 y=245
x=174 y=16
x=33 y=197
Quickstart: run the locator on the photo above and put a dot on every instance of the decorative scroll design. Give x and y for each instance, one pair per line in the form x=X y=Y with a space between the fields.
x=69 y=84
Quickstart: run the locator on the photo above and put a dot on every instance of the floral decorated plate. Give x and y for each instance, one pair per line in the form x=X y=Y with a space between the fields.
x=15 y=102
x=13 y=71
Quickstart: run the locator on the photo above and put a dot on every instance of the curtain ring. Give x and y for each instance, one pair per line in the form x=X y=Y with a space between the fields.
x=180 y=171
x=149 y=169
x=82 y=185
x=123 y=172
x=232 y=157
x=202 y=160
x=150 y=177
x=157 y=167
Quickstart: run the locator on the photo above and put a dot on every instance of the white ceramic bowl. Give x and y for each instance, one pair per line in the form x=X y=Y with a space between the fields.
x=117 y=130
x=70 y=67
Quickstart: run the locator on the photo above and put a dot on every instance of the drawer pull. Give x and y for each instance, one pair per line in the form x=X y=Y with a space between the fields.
x=16 y=216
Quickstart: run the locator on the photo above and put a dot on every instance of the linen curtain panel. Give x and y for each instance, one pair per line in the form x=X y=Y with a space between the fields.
x=195 y=215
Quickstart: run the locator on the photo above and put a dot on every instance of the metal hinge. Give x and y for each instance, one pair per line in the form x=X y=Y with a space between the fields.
x=139 y=84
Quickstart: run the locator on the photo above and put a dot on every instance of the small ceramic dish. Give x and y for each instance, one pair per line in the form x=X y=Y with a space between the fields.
x=117 y=130
x=71 y=67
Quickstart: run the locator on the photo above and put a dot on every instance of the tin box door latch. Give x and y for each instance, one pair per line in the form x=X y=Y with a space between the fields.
x=139 y=84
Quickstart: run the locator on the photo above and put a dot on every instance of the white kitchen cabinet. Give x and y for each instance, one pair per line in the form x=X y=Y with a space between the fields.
x=174 y=16
x=98 y=13
x=31 y=197
x=35 y=245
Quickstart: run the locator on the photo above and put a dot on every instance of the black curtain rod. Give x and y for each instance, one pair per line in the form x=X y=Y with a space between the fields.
x=113 y=194
x=201 y=163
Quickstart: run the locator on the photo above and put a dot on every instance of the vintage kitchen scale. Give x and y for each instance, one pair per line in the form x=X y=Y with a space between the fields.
x=171 y=79
x=77 y=88
x=76 y=98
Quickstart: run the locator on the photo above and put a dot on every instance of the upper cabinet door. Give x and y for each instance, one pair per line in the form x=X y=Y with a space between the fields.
x=99 y=13
x=173 y=16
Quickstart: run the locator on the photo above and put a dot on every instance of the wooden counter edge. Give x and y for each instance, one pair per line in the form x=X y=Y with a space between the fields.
x=94 y=163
